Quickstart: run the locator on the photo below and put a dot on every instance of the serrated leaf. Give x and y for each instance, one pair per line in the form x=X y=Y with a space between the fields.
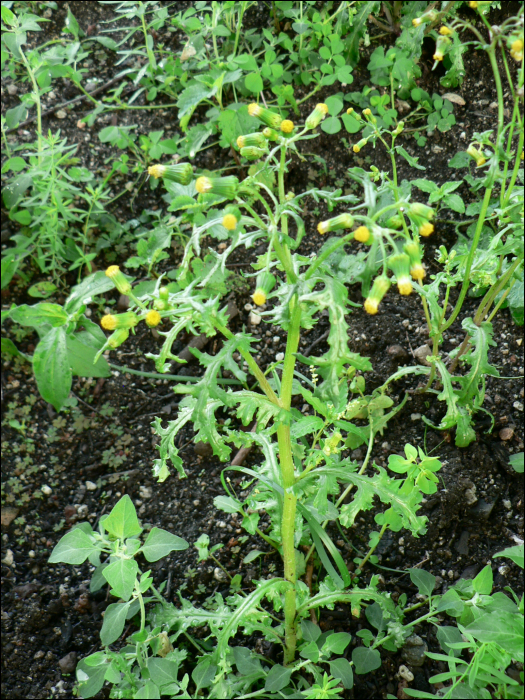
x=250 y=402
x=306 y=425
x=192 y=96
x=167 y=449
x=234 y=123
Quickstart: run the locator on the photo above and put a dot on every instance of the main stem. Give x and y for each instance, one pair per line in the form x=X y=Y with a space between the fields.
x=288 y=476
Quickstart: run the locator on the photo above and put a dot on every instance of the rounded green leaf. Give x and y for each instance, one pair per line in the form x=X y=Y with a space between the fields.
x=253 y=82
x=332 y=125
x=160 y=543
x=366 y=660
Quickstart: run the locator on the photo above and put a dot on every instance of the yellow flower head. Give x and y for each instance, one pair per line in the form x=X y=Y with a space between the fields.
x=371 y=306
x=517 y=45
x=322 y=227
x=112 y=271
x=367 y=112
x=426 y=229
x=153 y=319
x=404 y=286
x=203 y=185
x=350 y=110
x=109 y=322
x=259 y=297
x=119 y=279
x=356 y=148
x=241 y=142
x=322 y=107
x=157 y=171
x=254 y=110
x=473 y=5
x=362 y=234
x=438 y=56
x=445 y=31
x=417 y=271
x=229 y=222
x=287 y=126
x=416 y=21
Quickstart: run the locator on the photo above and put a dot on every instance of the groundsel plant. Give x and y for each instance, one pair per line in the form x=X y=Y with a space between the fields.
x=306 y=478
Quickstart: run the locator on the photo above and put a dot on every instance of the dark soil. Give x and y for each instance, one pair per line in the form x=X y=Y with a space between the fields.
x=94 y=452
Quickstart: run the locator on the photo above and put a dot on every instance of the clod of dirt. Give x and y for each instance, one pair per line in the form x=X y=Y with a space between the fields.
x=8 y=515
x=506 y=433
x=414 y=650
x=422 y=353
x=398 y=353
x=483 y=510
x=203 y=449
x=68 y=662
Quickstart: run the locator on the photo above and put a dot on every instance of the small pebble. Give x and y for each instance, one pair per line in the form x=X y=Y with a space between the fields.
x=61 y=114
x=145 y=492
x=280 y=356
x=90 y=486
x=254 y=319
x=248 y=307
x=405 y=674
x=506 y=433
x=46 y=490
x=415 y=416
x=68 y=663
x=421 y=355
x=12 y=89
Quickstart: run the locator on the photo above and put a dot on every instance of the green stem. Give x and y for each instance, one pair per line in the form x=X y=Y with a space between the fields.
x=494 y=291
x=175 y=377
x=288 y=477
x=372 y=549
x=327 y=253
x=36 y=95
x=470 y=260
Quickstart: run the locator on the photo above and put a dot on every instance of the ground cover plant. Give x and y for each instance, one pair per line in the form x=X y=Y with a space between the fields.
x=307 y=484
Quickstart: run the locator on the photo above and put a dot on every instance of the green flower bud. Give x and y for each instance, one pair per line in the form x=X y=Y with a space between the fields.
x=110 y=322
x=265 y=115
x=271 y=134
x=223 y=186
x=258 y=139
x=477 y=155
x=265 y=284
x=317 y=116
x=119 y=279
x=118 y=337
x=253 y=153
x=161 y=304
x=338 y=222
x=394 y=222
x=400 y=266
x=181 y=172
x=164 y=293
x=379 y=289
x=421 y=210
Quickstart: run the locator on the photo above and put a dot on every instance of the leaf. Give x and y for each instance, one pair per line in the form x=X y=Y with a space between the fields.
x=447 y=635
x=334 y=104
x=167 y=449
x=10 y=348
x=114 y=621
x=358 y=29
x=253 y=82
x=84 y=292
x=195 y=137
x=515 y=553
x=203 y=674
x=332 y=125
x=90 y=678
x=366 y=660
x=251 y=402
x=454 y=202
x=305 y=426
x=336 y=643
x=192 y=96
x=122 y=522
x=121 y=575
x=39 y=314
x=80 y=358
x=51 y=367
x=159 y=543
x=410 y=159
x=74 y=548
x=342 y=670
x=505 y=629
x=42 y=290
x=425 y=185
x=484 y=581
x=473 y=384
x=460 y=160
x=424 y=581
x=277 y=679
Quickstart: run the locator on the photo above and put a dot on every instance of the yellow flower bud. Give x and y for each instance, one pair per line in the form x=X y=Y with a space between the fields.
x=350 y=110
x=203 y=185
x=379 y=289
x=517 y=45
x=119 y=279
x=416 y=21
x=270 y=118
x=445 y=31
x=259 y=297
x=322 y=227
x=229 y=222
x=338 y=222
x=371 y=306
x=473 y=5
x=417 y=271
x=153 y=319
x=367 y=112
x=108 y=322
x=356 y=148
x=287 y=126
x=362 y=234
x=317 y=116
x=426 y=229
x=156 y=171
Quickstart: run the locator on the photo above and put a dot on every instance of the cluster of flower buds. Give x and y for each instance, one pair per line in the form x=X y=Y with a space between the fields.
x=400 y=266
x=477 y=155
x=367 y=114
x=379 y=289
x=162 y=303
x=181 y=173
x=338 y=222
x=330 y=444
x=268 y=117
x=516 y=48
x=421 y=215
x=426 y=18
x=442 y=45
x=223 y=186
x=317 y=116
x=414 y=254
x=264 y=285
